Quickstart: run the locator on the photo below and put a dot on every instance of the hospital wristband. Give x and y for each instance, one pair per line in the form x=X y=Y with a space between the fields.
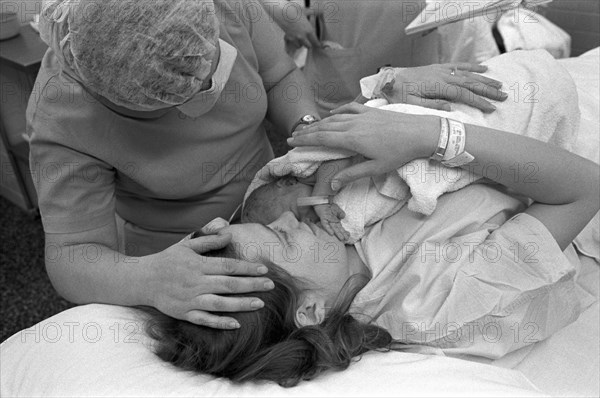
x=455 y=154
x=439 y=153
x=314 y=200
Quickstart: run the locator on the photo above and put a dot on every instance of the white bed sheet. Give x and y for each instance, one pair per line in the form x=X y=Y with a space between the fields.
x=100 y=350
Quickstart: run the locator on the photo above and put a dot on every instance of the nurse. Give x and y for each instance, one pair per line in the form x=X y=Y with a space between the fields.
x=146 y=124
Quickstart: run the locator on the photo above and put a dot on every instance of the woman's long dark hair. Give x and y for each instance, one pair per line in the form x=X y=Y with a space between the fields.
x=269 y=345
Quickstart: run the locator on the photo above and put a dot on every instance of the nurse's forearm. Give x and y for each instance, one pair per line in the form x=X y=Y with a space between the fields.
x=177 y=281
x=95 y=273
x=289 y=100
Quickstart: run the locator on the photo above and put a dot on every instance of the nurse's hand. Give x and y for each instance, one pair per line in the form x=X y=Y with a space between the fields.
x=435 y=86
x=185 y=285
x=388 y=139
x=298 y=30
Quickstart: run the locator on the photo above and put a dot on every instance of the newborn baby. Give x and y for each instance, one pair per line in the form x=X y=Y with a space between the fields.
x=268 y=202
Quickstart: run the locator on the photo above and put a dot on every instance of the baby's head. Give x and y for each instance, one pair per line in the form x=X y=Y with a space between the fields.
x=267 y=203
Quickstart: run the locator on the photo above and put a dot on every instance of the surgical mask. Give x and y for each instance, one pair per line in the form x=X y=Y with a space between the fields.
x=205 y=100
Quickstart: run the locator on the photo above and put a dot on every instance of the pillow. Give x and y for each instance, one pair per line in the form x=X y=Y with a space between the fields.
x=101 y=350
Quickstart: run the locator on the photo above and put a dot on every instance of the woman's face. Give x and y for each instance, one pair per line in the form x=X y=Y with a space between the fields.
x=303 y=249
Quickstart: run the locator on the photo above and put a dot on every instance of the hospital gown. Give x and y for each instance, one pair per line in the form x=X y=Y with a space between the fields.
x=472 y=278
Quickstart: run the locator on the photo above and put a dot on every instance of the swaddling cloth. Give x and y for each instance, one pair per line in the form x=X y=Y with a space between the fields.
x=543 y=105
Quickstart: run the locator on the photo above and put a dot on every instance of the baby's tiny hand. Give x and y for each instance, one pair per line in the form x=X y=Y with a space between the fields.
x=330 y=215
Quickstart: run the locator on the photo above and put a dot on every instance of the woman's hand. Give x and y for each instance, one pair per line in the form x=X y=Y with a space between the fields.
x=388 y=139
x=434 y=86
x=187 y=286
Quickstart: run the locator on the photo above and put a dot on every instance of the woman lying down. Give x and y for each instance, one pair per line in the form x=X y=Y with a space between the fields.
x=484 y=274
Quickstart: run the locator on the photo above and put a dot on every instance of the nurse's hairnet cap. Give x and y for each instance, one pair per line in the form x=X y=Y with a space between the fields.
x=140 y=54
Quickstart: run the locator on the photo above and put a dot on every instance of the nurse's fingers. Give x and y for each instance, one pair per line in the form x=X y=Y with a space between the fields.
x=456 y=93
x=230 y=266
x=314 y=40
x=331 y=139
x=485 y=91
x=477 y=68
x=208 y=242
x=480 y=78
x=215 y=303
x=220 y=284
x=305 y=42
x=475 y=84
x=204 y=318
x=429 y=103
x=478 y=102
x=336 y=123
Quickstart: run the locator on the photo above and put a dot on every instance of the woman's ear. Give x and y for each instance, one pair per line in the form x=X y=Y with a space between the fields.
x=311 y=310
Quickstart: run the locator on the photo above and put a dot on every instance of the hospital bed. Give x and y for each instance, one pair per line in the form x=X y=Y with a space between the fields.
x=101 y=350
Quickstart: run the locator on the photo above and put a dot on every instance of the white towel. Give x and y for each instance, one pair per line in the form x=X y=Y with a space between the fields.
x=542 y=104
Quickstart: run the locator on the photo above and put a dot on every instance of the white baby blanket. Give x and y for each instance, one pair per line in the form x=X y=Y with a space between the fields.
x=542 y=104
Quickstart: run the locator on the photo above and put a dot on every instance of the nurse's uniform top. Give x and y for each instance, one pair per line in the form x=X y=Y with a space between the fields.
x=165 y=176
x=476 y=277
